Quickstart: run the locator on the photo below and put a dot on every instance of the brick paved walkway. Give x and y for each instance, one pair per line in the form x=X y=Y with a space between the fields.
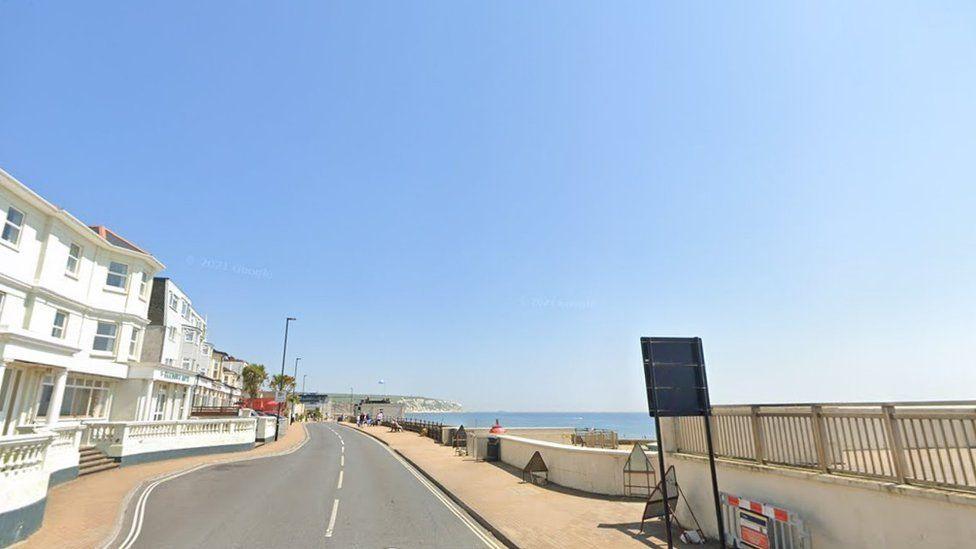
x=530 y=516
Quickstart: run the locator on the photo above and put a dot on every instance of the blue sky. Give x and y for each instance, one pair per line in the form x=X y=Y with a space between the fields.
x=492 y=202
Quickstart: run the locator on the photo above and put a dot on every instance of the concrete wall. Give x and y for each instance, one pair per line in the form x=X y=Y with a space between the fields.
x=839 y=511
x=589 y=469
x=23 y=485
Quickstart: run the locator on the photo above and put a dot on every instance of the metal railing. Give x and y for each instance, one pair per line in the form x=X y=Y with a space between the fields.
x=418 y=425
x=931 y=443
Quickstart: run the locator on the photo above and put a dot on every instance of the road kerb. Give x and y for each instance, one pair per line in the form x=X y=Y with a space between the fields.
x=474 y=514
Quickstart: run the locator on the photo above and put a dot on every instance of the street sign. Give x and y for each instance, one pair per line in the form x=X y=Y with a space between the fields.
x=280 y=396
x=753 y=529
x=674 y=374
x=674 y=377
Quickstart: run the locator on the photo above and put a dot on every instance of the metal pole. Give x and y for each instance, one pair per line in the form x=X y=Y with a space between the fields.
x=284 y=352
x=649 y=359
x=711 y=450
x=304 y=377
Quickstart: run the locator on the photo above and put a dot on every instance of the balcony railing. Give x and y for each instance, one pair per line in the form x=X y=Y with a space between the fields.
x=23 y=454
x=930 y=444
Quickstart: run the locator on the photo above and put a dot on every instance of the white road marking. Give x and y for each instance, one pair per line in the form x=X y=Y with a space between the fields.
x=335 y=511
x=139 y=513
x=339 y=487
x=483 y=535
x=342 y=461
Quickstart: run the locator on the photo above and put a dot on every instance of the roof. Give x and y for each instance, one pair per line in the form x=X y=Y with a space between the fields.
x=116 y=239
x=25 y=193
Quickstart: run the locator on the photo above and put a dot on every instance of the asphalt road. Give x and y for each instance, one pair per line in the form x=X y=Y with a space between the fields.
x=341 y=489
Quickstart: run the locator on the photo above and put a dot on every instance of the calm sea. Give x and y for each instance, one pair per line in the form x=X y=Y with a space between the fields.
x=626 y=424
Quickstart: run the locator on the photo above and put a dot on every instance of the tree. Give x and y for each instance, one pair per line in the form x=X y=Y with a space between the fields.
x=254 y=377
x=281 y=382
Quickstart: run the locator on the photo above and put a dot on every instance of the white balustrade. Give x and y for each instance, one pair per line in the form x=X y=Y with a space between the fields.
x=23 y=479
x=62 y=454
x=128 y=439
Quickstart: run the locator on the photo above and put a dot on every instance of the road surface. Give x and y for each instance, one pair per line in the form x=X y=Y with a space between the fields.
x=341 y=489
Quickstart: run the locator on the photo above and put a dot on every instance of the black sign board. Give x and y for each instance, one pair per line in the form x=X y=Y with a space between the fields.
x=674 y=373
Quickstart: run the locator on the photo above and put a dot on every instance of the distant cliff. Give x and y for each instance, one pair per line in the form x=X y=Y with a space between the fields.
x=424 y=404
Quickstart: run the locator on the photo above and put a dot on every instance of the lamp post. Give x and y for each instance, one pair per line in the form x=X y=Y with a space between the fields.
x=304 y=376
x=284 y=352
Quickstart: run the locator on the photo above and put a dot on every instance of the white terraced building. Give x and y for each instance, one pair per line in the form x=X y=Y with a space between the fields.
x=80 y=388
x=73 y=312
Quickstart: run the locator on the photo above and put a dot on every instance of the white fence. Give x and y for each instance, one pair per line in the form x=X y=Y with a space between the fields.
x=23 y=478
x=137 y=441
x=62 y=454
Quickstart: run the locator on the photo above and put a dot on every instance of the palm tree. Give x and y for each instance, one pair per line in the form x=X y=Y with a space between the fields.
x=254 y=377
x=282 y=382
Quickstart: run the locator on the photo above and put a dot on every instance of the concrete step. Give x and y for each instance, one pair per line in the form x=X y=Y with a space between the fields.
x=103 y=466
x=88 y=458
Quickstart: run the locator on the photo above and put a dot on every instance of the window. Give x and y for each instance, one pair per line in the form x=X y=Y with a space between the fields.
x=118 y=275
x=3 y=297
x=60 y=324
x=105 y=337
x=168 y=361
x=74 y=259
x=174 y=301
x=186 y=308
x=187 y=364
x=13 y=226
x=188 y=335
x=144 y=285
x=171 y=333
x=83 y=397
x=134 y=341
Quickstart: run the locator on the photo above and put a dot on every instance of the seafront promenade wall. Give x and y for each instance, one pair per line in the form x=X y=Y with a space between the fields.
x=594 y=470
x=839 y=511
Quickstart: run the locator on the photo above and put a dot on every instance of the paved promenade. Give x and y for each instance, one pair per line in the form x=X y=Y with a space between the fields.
x=84 y=512
x=530 y=516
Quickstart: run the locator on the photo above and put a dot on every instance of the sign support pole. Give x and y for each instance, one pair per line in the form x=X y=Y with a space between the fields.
x=664 y=480
x=711 y=453
x=660 y=449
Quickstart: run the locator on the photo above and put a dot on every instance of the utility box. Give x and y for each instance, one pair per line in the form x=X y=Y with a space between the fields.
x=494 y=451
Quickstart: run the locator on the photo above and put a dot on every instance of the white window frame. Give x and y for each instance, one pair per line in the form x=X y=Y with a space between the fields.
x=134 y=342
x=188 y=335
x=186 y=364
x=8 y=224
x=73 y=273
x=185 y=309
x=144 y=285
x=171 y=333
x=124 y=276
x=60 y=331
x=114 y=338
x=174 y=302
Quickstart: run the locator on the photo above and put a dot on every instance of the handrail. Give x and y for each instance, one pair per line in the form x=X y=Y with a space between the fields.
x=924 y=443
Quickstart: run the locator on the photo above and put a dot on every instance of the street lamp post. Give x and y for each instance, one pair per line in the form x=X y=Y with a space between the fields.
x=284 y=352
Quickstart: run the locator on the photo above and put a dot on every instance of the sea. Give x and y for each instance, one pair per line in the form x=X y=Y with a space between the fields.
x=626 y=424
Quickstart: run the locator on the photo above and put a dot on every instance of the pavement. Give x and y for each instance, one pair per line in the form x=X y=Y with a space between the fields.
x=84 y=512
x=530 y=516
x=341 y=489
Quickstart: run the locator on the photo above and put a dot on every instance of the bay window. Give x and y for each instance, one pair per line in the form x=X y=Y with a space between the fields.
x=105 y=337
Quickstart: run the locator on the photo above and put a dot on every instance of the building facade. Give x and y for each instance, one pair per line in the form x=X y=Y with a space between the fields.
x=73 y=313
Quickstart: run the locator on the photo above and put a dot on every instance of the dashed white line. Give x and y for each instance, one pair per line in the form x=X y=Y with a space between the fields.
x=342 y=461
x=332 y=519
x=339 y=486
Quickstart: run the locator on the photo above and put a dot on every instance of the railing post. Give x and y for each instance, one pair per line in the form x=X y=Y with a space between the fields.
x=897 y=446
x=819 y=436
x=758 y=440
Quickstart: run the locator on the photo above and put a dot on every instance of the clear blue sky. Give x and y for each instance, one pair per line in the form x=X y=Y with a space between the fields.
x=493 y=201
